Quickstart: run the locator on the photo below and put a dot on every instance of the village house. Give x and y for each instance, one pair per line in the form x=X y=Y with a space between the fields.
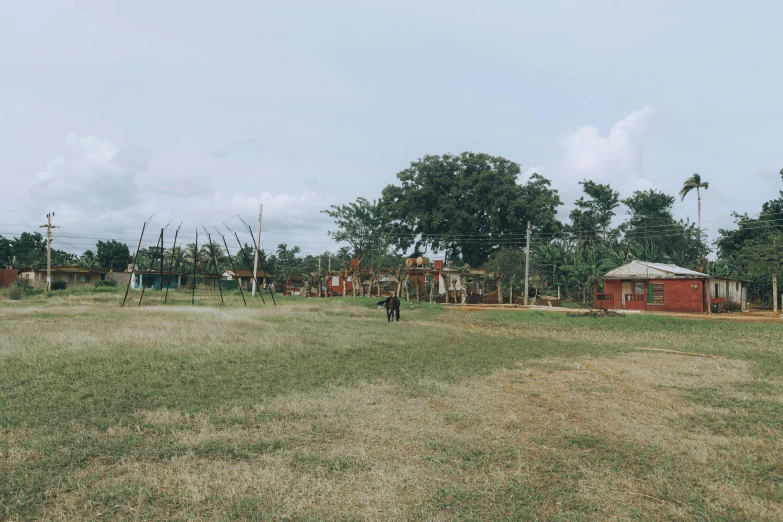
x=641 y=285
x=73 y=276
x=154 y=280
x=244 y=278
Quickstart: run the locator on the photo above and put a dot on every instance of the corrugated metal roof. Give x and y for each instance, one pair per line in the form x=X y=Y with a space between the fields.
x=647 y=270
x=674 y=269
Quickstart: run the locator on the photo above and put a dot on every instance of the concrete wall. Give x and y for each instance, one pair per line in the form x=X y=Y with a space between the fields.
x=37 y=278
x=731 y=291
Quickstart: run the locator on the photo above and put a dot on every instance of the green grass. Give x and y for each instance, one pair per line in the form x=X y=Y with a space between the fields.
x=90 y=393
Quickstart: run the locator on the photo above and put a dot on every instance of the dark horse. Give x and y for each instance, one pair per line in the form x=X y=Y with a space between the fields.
x=392 y=307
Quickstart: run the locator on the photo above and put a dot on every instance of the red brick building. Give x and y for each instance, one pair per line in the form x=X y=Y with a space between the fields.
x=640 y=285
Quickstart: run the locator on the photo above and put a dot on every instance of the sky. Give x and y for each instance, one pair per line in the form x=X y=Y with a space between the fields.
x=199 y=111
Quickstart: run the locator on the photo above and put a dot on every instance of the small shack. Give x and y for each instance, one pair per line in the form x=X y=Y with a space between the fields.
x=72 y=275
x=641 y=285
x=244 y=278
x=155 y=280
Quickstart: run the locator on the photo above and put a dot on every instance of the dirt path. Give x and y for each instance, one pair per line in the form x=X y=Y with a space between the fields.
x=749 y=317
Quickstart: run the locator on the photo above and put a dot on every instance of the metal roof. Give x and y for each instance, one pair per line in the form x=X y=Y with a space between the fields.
x=647 y=270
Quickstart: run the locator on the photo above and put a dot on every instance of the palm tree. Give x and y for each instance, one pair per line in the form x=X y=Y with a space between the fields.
x=694 y=182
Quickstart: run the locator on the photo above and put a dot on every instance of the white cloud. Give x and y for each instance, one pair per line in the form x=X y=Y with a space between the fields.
x=90 y=174
x=615 y=159
x=101 y=191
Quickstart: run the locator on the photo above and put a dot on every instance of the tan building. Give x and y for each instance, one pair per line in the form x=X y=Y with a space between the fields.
x=73 y=275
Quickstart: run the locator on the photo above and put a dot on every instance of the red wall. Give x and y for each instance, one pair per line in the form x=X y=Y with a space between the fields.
x=8 y=276
x=679 y=295
x=339 y=288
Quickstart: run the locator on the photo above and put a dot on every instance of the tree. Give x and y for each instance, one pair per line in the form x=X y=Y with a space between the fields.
x=30 y=250
x=344 y=254
x=508 y=263
x=465 y=205
x=6 y=252
x=88 y=260
x=694 y=182
x=286 y=261
x=113 y=255
x=660 y=237
x=361 y=225
x=594 y=214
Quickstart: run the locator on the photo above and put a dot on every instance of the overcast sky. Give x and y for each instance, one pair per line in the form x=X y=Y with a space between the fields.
x=198 y=111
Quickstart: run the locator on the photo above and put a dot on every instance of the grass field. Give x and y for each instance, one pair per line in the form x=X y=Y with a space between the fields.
x=320 y=410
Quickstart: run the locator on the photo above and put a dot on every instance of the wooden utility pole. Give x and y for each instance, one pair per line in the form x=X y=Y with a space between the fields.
x=258 y=245
x=48 y=226
x=774 y=294
x=527 y=263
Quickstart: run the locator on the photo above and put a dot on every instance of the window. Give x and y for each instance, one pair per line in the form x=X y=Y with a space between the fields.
x=335 y=280
x=657 y=293
x=85 y=279
x=638 y=287
x=716 y=290
x=737 y=287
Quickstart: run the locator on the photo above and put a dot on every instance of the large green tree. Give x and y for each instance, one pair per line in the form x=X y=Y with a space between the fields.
x=113 y=255
x=594 y=211
x=467 y=205
x=658 y=236
x=753 y=250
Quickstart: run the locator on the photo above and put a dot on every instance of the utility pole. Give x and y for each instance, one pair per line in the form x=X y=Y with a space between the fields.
x=774 y=294
x=48 y=226
x=527 y=263
x=258 y=245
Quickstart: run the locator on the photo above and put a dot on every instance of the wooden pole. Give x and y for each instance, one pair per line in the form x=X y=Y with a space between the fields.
x=152 y=261
x=133 y=266
x=231 y=261
x=774 y=294
x=255 y=262
x=195 y=264
x=247 y=262
x=214 y=261
x=171 y=264
x=258 y=250
x=527 y=263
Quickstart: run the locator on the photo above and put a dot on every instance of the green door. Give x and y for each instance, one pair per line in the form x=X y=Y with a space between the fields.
x=649 y=293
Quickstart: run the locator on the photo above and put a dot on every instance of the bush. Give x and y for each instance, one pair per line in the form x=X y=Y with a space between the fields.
x=14 y=293
x=59 y=285
x=106 y=283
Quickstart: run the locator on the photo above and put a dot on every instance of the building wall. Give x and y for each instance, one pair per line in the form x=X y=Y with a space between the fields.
x=37 y=278
x=730 y=291
x=679 y=295
x=8 y=276
x=335 y=285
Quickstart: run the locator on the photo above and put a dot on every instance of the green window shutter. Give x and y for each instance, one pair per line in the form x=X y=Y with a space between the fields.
x=649 y=293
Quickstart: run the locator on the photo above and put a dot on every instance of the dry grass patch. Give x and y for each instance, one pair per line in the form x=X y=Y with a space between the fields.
x=592 y=438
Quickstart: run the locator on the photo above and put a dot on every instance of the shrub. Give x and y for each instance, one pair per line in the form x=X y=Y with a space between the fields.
x=14 y=293
x=59 y=285
x=21 y=284
x=106 y=283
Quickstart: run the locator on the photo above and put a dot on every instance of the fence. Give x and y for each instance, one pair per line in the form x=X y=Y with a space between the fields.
x=8 y=276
